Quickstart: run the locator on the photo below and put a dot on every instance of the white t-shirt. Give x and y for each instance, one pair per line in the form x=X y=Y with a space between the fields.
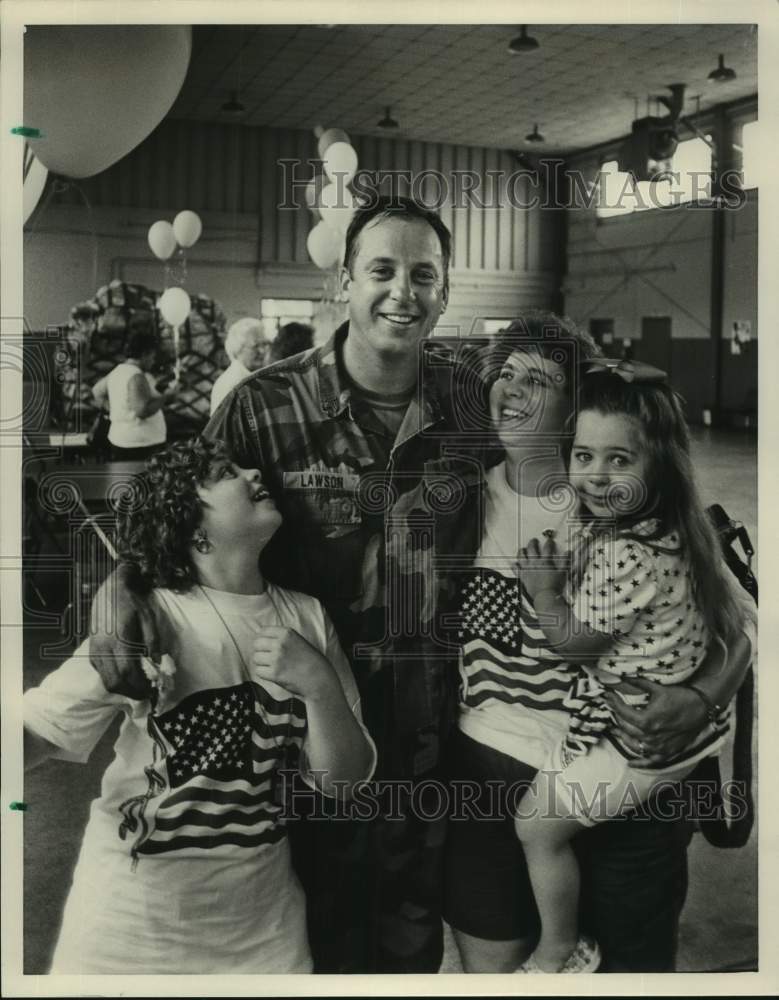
x=128 y=430
x=185 y=864
x=229 y=379
x=512 y=686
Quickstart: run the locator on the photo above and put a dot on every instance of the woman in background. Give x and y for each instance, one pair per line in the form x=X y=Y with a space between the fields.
x=135 y=408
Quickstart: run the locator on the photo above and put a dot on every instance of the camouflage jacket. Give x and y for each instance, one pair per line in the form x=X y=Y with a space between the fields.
x=361 y=526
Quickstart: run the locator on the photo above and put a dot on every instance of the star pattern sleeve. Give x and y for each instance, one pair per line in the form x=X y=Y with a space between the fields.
x=617 y=584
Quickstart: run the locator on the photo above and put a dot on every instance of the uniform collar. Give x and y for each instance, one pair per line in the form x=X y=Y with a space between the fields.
x=335 y=391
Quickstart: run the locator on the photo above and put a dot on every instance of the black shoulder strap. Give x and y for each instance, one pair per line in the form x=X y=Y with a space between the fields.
x=739 y=805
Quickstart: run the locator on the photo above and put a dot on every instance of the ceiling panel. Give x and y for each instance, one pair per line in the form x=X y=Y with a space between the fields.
x=458 y=83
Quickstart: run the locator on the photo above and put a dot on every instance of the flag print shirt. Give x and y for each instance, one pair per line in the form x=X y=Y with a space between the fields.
x=189 y=813
x=513 y=686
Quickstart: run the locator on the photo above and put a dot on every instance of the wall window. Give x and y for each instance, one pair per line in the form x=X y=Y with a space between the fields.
x=276 y=312
x=619 y=194
x=496 y=325
x=602 y=332
x=749 y=154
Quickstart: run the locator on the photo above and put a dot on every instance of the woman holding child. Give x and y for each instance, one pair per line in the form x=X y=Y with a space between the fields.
x=572 y=651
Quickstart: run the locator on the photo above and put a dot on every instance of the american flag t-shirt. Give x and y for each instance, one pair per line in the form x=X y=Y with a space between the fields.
x=211 y=784
x=505 y=655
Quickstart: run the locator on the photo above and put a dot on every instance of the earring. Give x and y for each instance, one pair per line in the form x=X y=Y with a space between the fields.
x=201 y=541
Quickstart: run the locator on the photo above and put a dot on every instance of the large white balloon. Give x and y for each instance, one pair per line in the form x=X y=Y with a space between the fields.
x=340 y=215
x=174 y=304
x=162 y=239
x=328 y=137
x=97 y=91
x=324 y=245
x=340 y=162
x=187 y=227
x=34 y=183
x=313 y=190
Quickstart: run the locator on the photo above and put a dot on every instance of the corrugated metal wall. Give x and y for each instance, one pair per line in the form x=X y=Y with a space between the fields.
x=235 y=169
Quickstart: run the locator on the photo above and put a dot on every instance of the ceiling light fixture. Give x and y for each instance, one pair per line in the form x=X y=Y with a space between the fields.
x=534 y=136
x=722 y=73
x=387 y=121
x=233 y=106
x=523 y=42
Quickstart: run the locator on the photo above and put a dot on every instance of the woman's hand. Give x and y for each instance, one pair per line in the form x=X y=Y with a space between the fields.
x=663 y=726
x=542 y=566
x=283 y=656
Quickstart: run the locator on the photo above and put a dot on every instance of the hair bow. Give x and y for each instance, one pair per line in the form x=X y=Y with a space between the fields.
x=628 y=371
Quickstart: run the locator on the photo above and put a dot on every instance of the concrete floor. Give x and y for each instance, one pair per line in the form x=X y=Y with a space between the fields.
x=719 y=923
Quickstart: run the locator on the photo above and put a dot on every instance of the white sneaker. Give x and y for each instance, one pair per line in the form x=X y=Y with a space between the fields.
x=585 y=957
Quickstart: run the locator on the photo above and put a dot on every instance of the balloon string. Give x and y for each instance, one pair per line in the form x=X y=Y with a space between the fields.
x=55 y=186
x=29 y=156
x=91 y=227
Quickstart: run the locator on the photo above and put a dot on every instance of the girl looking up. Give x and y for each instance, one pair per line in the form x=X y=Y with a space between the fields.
x=185 y=866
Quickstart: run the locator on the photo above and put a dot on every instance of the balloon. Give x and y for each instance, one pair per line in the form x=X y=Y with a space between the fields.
x=313 y=192
x=334 y=196
x=339 y=216
x=187 y=227
x=174 y=304
x=328 y=137
x=34 y=183
x=324 y=245
x=161 y=239
x=97 y=91
x=340 y=162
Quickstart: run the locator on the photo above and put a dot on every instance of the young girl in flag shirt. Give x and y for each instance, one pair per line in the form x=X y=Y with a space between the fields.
x=185 y=866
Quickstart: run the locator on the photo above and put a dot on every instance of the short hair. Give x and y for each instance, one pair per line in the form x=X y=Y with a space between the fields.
x=291 y=339
x=538 y=331
x=396 y=207
x=141 y=337
x=156 y=526
x=240 y=332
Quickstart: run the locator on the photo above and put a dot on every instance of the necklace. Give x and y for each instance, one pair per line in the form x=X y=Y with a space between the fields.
x=245 y=667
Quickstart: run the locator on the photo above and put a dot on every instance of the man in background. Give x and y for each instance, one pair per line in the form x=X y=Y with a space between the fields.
x=247 y=348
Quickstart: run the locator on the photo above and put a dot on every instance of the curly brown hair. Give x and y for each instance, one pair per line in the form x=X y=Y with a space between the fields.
x=155 y=536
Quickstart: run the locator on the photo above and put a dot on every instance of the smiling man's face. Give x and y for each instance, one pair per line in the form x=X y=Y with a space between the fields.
x=396 y=289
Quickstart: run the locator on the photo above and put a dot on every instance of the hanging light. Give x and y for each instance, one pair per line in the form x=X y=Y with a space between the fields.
x=387 y=121
x=233 y=106
x=523 y=42
x=534 y=136
x=722 y=73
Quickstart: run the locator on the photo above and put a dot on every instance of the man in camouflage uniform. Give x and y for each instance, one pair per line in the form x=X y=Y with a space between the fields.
x=340 y=433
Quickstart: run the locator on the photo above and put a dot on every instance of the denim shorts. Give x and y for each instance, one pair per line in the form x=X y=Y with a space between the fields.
x=634 y=870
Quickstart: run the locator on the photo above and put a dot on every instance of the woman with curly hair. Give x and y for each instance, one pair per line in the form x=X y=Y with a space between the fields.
x=185 y=865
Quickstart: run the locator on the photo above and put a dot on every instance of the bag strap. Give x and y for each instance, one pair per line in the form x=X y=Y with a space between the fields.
x=718 y=831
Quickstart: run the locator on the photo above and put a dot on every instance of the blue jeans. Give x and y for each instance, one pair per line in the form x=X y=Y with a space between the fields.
x=634 y=871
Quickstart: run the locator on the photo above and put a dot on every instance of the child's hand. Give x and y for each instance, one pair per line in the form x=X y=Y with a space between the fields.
x=283 y=656
x=542 y=566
